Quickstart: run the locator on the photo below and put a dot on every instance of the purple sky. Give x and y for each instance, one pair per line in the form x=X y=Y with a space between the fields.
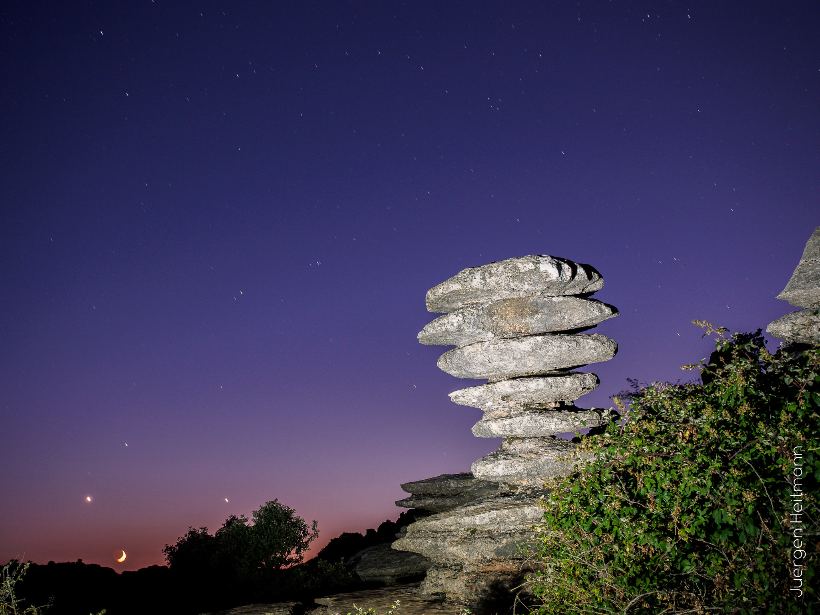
x=219 y=221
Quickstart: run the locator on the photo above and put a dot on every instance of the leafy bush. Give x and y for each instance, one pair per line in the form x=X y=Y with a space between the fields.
x=689 y=503
x=11 y=574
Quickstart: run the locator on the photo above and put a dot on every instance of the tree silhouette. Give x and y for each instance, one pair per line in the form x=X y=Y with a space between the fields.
x=240 y=555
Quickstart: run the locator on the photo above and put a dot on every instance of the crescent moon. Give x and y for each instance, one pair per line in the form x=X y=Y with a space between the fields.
x=122 y=557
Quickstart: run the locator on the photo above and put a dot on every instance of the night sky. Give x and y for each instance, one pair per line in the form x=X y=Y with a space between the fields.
x=218 y=221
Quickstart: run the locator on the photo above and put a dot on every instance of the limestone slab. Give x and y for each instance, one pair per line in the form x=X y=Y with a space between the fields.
x=515 y=317
x=446 y=492
x=478 y=533
x=443 y=484
x=526 y=356
x=527 y=461
x=534 y=392
x=802 y=327
x=803 y=288
x=513 y=277
x=536 y=423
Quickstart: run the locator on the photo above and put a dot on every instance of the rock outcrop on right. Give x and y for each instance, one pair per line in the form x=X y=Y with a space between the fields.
x=521 y=325
x=803 y=291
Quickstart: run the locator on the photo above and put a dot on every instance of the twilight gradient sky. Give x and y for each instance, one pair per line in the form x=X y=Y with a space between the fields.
x=219 y=220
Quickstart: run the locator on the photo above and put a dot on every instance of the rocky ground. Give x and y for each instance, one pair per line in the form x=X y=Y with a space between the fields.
x=382 y=600
x=411 y=602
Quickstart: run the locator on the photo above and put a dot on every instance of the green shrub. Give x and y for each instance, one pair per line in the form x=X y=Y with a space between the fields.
x=11 y=574
x=689 y=503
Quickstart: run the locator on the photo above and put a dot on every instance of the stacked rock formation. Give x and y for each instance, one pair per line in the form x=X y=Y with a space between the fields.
x=803 y=291
x=516 y=324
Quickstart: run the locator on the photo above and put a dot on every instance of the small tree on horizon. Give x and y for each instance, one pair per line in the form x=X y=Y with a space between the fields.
x=280 y=537
x=243 y=551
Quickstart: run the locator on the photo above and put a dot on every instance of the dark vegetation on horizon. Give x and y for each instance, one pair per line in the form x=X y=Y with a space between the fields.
x=243 y=562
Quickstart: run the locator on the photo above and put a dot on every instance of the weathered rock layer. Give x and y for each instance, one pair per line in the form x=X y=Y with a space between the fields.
x=803 y=288
x=515 y=317
x=527 y=356
x=801 y=327
x=448 y=491
x=514 y=277
x=803 y=291
x=527 y=392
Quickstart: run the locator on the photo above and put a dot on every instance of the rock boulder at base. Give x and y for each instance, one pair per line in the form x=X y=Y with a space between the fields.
x=514 y=277
x=526 y=356
x=538 y=392
x=536 y=423
x=494 y=583
x=801 y=327
x=803 y=289
x=382 y=564
x=516 y=317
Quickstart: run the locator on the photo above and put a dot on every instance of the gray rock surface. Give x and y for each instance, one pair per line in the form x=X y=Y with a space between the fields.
x=528 y=462
x=537 y=392
x=803 y=289
x=411 y=602
x=481 y=533
x=445 y=581
x=515 y=317
x=382 y=564
x=513 y=277
x=536 y=423
x=277 y=608
x=448 y=491
x=801 y=327
x=443 y=484
x=473 y=585
x=526 y=356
